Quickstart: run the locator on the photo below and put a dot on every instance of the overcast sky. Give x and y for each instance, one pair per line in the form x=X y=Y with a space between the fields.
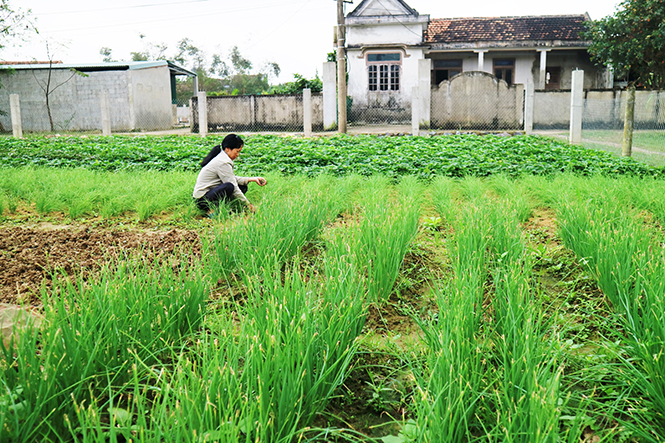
x=296 y=34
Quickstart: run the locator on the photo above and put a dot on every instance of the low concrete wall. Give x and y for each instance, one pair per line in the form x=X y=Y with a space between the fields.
x=138 y=99
x=603 y=109
x=477 y=100
x=258 y=113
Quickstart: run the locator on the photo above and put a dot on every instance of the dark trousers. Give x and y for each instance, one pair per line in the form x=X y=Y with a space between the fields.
x=218 y=194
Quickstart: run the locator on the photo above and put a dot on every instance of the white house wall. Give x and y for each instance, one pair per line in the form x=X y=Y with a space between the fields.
x=151 y=91
x=75 y=103
x=378 y=34
x=358 y=86
x=527 y=65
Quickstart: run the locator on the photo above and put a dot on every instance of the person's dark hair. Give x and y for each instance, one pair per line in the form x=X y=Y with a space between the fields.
x=231 y=141
x=214 y=152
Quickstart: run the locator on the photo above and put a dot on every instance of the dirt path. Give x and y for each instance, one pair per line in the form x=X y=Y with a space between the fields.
x=29 y=255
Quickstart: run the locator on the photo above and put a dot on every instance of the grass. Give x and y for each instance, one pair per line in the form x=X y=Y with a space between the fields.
x=513 y=337
x=651 y=141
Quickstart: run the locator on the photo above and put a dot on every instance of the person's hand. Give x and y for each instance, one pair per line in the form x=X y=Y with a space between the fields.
x=261 y=181
x=252 y=208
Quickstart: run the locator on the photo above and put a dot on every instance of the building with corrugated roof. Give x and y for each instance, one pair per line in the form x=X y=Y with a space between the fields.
x=141 y=94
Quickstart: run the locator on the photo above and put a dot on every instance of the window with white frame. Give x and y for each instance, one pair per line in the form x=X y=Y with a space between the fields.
x=383 y=70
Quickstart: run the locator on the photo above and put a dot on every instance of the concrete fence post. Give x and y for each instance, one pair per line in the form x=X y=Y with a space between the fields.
x=528 y=106
x=628 y=123
x=424 y=93
x=15 y=106
x=576 y=105
x=415 y=111
x=329 y=96
x=203 y=113
x=252 y=113
x=307 y=111
x=106 y=113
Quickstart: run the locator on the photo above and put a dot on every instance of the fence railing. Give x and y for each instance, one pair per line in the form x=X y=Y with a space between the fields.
x=471 y=101
x=258 y=113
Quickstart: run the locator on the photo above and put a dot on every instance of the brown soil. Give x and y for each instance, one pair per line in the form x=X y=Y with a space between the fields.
x=28 y=256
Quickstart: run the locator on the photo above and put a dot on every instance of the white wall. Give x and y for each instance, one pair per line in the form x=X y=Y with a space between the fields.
x=138 y=99
x=74 y=101
x=151 y=92
x=376 y=34
x=358 y=86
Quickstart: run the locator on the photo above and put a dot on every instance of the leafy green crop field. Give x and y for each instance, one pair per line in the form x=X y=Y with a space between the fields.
x=351 y=306
x=424 y=157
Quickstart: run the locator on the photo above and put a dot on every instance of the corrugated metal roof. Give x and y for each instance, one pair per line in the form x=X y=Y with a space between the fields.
x=105 y=66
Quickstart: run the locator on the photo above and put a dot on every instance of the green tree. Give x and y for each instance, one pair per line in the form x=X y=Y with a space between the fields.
x=240 y=64
x=14 y=23
x=106 y=54
x=151 y=51
x=297 y=85
x=632 y=42
x=190 y=55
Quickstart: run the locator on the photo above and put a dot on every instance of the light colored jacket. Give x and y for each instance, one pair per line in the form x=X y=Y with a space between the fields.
x=218 y=171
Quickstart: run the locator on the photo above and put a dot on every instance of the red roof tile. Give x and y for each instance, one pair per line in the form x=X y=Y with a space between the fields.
x=553 y=27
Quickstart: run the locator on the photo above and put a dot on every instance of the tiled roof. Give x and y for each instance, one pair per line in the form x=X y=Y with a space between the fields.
x=552 y=27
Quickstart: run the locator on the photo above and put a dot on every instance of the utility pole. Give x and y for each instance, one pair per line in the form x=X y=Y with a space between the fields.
x=341 y=69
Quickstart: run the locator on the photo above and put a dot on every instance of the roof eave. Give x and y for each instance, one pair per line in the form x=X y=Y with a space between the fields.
x=540 y=44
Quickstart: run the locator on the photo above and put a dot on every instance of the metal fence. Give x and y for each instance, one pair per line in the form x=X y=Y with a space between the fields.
x=603 y=123
x=258 y=113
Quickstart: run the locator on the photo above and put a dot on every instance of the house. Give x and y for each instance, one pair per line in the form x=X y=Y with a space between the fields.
x=141 y=94
x=386 y=39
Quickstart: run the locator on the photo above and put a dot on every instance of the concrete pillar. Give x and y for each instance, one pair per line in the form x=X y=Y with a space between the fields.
x=543 y=68
x=130 y=96
x=252 y=113
x=203 y=113
x=307 y=111
x=15 y=105
x=576 y=105
x=424 y=91
x=195 y=82
x=329 y=96
x=415 y=110
x=629 y=120
x=481 y=59
x=191 y=115
x=528 y=107
x=106 y=113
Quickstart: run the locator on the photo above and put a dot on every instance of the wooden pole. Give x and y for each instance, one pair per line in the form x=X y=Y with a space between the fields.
x=627 y=149
x=341 y=69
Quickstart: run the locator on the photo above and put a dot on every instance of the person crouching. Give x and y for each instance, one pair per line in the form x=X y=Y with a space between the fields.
x=217 y=182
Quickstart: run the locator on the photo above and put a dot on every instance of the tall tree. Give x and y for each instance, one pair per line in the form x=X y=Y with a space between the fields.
x=49 y=86
x=632 y=42
x=106 y=54
x=151 y=51
x=14 y=22
x=190 y=55
x=240 y=64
